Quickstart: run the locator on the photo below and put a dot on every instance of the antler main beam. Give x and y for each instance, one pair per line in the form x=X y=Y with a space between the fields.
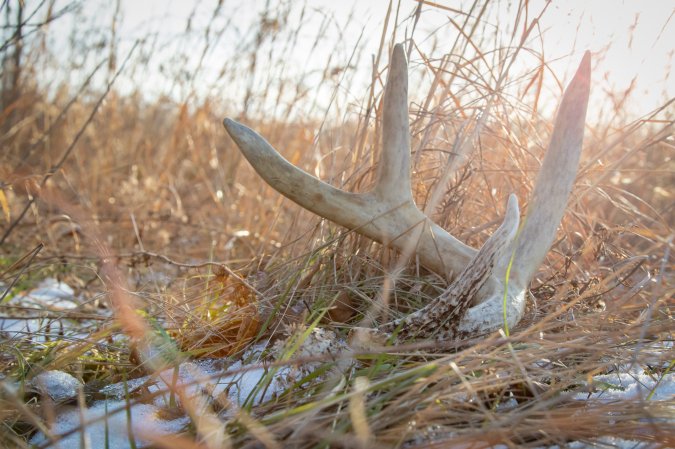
x=389 y=215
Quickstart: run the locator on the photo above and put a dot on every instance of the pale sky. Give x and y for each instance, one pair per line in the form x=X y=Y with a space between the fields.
x=632 y=40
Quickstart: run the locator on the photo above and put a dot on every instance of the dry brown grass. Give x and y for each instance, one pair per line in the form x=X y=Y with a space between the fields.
x=153 y=192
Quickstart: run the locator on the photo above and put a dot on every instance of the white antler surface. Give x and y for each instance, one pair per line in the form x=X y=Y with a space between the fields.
x=389 y=215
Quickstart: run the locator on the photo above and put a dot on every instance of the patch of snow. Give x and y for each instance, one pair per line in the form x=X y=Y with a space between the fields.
x=248 y=386
x=607 y=442
x=318 y=342
x=15 y=328
x=625 y=384
x=19 y=321
x=633 y=384
x=245 y=381
x=59 y=386
x=49 y=294
x=242 y=385
x=106 y=430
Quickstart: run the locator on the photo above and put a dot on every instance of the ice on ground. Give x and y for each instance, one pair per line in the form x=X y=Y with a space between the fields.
x=59 y=386
x=109 y=430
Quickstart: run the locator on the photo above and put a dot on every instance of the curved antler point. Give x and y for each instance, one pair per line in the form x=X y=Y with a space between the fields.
x=583 y=75
x=231 y=126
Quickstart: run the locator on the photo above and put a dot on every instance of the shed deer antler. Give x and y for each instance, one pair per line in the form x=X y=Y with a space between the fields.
x=389 y=215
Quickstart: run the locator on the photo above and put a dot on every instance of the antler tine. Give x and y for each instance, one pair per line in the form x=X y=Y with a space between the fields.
x=393 y=180
x=556 y=177
x=544 y=212
x=306 y=190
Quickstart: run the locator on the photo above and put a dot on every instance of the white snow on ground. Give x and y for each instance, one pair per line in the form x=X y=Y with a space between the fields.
x=50 y=295
x=111 y=431
x=196 y=376
x=245 y=384
x=631 y=384
x=242 y=383
x=609 y=442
